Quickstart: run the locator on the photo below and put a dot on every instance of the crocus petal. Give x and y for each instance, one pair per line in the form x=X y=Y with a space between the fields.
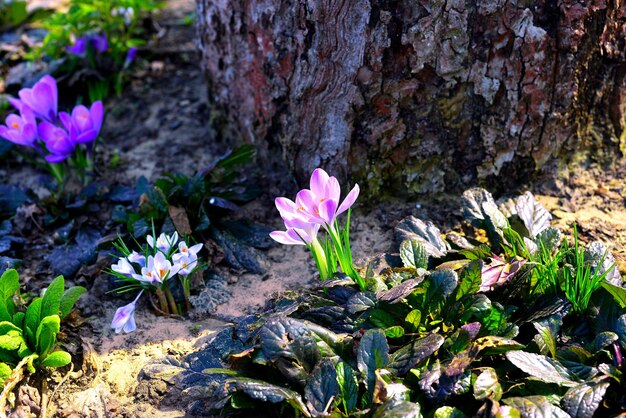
x=283 y=237
x=332 y=190
x=97 y=115
x=195 y=249
x=349 y=200
x=130 y=326
x=319 y=178
x=305 y=199
x=57 y=158
x=150 y=240
x=327 y=211
x=52 y=84
x=66 y=120
x=16 y=103
x=87 y=137
x=285 y=205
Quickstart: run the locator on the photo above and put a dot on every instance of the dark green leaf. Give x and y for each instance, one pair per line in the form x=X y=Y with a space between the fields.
x=348 y=386
x=412 y=228
x=321 y=387
x=545 y=339
x=604 y=339
x=51 y=301
x=57 y=359
x=542 y=368
x=372 y=354
x=408 y=356
x=471 y=279
x=618 y=293
x=413 y=254
x=441 y=284
x=582 y=401
x=288 y=338
x=266 y=392
x=69 y=298
x=361 y=301
x=401 y=291
x=381 y=319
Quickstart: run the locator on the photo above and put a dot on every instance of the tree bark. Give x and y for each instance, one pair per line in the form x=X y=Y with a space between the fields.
x=419 y=95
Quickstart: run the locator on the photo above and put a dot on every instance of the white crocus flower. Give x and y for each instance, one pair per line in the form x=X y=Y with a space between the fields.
x=187 y=264
x=163 y=269
x=123 y=267
x=163 y=242
x=135 y=257
x=185 y=251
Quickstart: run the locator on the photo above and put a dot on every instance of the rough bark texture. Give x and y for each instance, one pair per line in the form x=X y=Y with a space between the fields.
x=418 y=95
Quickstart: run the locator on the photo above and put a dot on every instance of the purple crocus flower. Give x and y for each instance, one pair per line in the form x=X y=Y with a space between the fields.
x=41 y=99
x=100 y=42
x=79 y=47
x=296 y=236
x=87 y=122
x=22 y=129
x=124 y=267
x=124 y=318
x=58 y=141
x=130 y=56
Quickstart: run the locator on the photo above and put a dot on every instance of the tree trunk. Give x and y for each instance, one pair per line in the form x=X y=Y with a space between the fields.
x=419 y=95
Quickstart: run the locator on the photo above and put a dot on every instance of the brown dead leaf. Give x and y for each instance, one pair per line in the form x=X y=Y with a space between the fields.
x=180 y=219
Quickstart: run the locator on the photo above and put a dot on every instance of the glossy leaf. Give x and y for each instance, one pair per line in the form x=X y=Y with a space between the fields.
x=412 y=228
x=322 y=387
x=51 y=301
x=413 y=254
x=410 y=355
x=57 y=359
x=348 y=386
x=372 y=354
x=542 y=368
x=471 y=279
x=535 y=407
x=481 y=210
x=487 y=386
x=535 y=217
x=582 y=401
x=69 y=298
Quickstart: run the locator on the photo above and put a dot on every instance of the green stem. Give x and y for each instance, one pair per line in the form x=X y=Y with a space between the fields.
x=171 y=301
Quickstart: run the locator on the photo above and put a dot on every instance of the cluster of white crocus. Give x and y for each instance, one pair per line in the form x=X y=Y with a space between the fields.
x=162 y=259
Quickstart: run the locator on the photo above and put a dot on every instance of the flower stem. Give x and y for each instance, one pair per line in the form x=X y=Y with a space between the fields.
x=162 y=301
x=171 y=301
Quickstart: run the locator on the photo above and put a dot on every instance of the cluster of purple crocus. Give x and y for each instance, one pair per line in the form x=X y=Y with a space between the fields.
x=54 y=135
x=163 y=258
x=312 y=210
x=100 y=44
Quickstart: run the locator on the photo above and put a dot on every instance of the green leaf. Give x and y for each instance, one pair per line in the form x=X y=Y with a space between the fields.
x=486 y=385
x=394 y=332
x=9 y=285
x=618 y=293
x=266 y=392
x=410 y=355
x=6 y=326
x=31 y=321
x=541 y=367
x=545 y=339
x=413 y=319
x=413 y=254
x=449 y=412
x=348 y=386
x=550 y=239
x=360 y=302
x=372 y=354
x=441 y=284
x=5 y=372
x=481 y=210
x=18 y=319
x=321 y=387
x=52 y=298
x=11 y=341
x=381 y=319
x=69 y=298
x=47 y=334
x=57 y=359
x=535 y=407
x=471 y=279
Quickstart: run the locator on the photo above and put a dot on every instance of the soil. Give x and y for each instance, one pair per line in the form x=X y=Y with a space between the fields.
x=160 y=124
